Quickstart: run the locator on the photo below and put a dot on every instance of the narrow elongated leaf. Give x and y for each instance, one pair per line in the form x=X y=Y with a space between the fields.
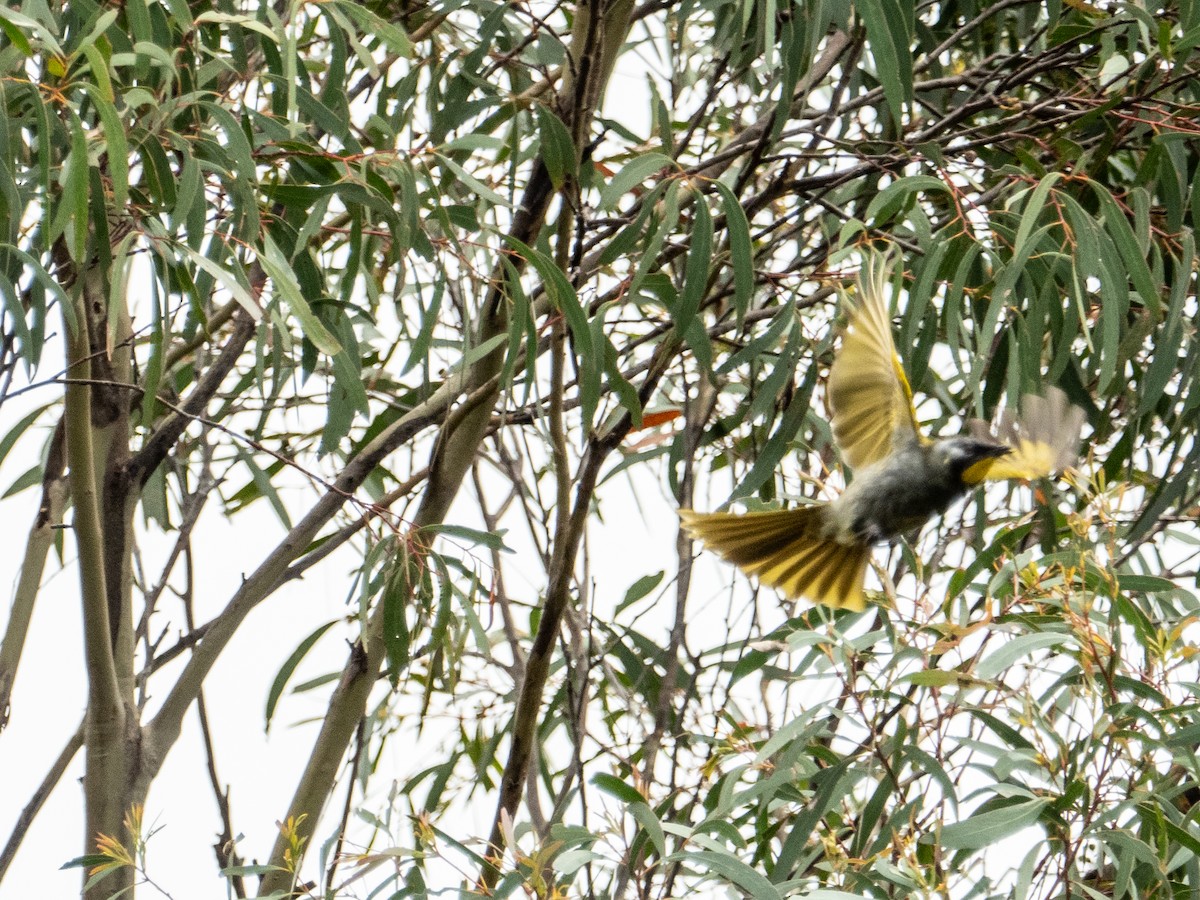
x=1121 y=232
x=264 y=487
x=741 y=250
x=695 y=282
x=226 y=279
x=1018 y=648
x=777 y=445
x=472 y=182
x=11 y=436
x=615 y=787
x=633 y=174
x=1034 y=205
x=562 y=295
x=284 y=279
x=888 y=38
x=901 y=192
x=649 y=821
x=288 y=669
x=492 y=540
x=370 y=23
x=733 y=870
x=558 y=151
x=987 y=828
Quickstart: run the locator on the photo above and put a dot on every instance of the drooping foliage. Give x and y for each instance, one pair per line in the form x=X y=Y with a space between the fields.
x=434 y=282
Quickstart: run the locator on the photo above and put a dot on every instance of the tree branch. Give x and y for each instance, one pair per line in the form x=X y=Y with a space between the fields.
x=163 y=730
x=558 y=593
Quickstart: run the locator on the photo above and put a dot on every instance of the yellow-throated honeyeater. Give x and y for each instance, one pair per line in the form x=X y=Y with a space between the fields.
x=901 y=477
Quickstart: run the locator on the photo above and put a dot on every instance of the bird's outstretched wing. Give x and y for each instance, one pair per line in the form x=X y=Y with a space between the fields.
x=1044 y=439
x=788 y=549
x=870 y=402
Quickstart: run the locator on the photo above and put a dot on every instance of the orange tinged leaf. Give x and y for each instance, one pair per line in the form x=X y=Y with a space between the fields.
x=662 y=416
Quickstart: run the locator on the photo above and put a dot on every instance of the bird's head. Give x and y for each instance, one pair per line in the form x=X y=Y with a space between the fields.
x=960 y=454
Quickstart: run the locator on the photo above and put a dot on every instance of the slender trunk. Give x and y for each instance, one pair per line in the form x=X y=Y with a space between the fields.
x=96 y=430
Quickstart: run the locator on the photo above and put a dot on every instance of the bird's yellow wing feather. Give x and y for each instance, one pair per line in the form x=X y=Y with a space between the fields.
x=788 y=549
x=1044 y=439
x=870 y=402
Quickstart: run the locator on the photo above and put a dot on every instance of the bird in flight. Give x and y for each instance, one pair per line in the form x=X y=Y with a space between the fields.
x=902 y=478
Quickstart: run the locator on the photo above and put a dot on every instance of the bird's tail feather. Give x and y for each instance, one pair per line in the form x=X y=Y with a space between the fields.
x=787 y=549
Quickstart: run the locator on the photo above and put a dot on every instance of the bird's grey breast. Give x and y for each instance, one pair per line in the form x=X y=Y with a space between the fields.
x=895 y=495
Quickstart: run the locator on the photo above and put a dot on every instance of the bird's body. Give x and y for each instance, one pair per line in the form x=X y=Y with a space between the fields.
x=898 y=494
x=902 y=478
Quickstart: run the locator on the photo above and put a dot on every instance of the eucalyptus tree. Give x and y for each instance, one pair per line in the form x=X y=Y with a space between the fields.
x=437 y=281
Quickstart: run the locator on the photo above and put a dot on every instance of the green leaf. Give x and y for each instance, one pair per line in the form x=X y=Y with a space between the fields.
x=71 y=212
x=521 y=327
x=831 y=784
x=1124 y=841
x=926 y=764
x=1018 y=648
x=562 y=295
x=102 y=86
x=232 y=871
x=14 y=434
x=236 y=141
x=87 y=861
x=98 y=27
x=649 y=821
x=627 y=395
x=1033 y=209
x=429 y=319
x=778 y=444
x=227 y=280
x=474 y=354
x=117 y=147
x=30 y=350
x=741 y=250
x=288 y=668
x=372 y=25
x=633 y=174
x=1165 y=363
x=1181 y=836
x=900 y=192
x=558 y=150
x=560 y=292
x=1004 y=542
x=1146 y=584
x=1011 y=736
x=699 y=259
x=933 y=678
x=1117 y=225
x=397 y=597
x=154 y=367
x=15 y=35
x=637 y=590
x=888 y=37
x=276 y=266
x=987 y=828
x=663 y=220
x=27 y=479
x=472 y=182
x=262 y=482
x=242 y=21
x=731 y=869
x=493 y=540
x=618 y=788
